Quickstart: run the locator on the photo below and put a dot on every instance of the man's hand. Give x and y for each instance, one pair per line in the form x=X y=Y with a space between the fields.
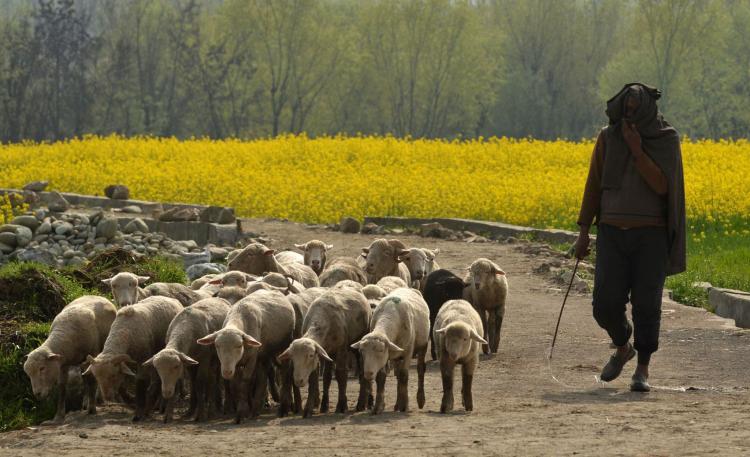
x=632 y=137
x=581 y=248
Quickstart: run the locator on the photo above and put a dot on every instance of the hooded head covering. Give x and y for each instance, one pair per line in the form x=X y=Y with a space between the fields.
x=661 y=143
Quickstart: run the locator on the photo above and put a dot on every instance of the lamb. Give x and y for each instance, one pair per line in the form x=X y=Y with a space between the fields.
x=457 y=336
x=441 y=286
x=284 y=282
x=179 y=292
x=335 y=320
x=256 y=330
x=257 y=259
x=137 y=333
x=487 y=295
x=126 y=290
x=315 y=254
x=398 y=330
x=181 y=353
x=391 y=283
x=382 y=259
x=421 y=262
x=340 y=269
x=78 y=330
x=374 y=294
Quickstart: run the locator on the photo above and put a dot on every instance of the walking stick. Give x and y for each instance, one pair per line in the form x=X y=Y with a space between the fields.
x=557 y=327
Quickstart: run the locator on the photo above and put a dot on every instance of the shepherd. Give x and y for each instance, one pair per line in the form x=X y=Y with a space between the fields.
x=635 y=195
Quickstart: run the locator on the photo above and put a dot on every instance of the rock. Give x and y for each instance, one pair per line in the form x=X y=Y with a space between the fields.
x=24 y=235
x=349 y=225
x=40 y=255
x=75 y=261
x=476 y=239
x=96 y=217
x=369 y=228
x=30 y=198
x=57 y=203
x=58 y=237
x=180 y=214
x=36 y=186
x=218 y=253
x=579 y=284
x=107 y=228
x=117 y=192
x=431 y=229
x=84 y=220
x=77 y=242
x=194 y=258
x=8 y=239
x=41 y=238
x=218 y=215
x=511 y=240
x=133 y=209
x=69 y=254
x=44 y=228
x=707 y=286
x=188 y=244
x=64 y=228
x=201 y=269
x=136 y=225
x=5 y=249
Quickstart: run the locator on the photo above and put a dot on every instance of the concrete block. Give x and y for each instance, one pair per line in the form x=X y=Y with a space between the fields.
x=732 y=304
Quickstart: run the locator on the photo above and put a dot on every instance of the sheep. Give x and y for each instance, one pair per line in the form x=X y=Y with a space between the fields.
x=456 y=333
x=398 y=330
x=382 y=259
x=256 y=330
x=284 y=257
x=212 y=283
x=284 y=282
x=78 y=330
x=137 y=333
x=391 y=283
x=348 y=283
x=335 y=320
x=340 y=269
x=257 y=259
x=179 y=292
x=441 y=286
x=374 y=294
x=181 y=352
x=421 y=262
x=126 y=290
x=487 y=290
x=315 y=254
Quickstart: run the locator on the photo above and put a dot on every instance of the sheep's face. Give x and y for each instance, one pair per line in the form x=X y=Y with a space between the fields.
x=315 y=254
x=234 y=279
x=419 y=262
x=303 y=353
x=230 y=346
x=43 y=368
x=459 y=339
x=483 y=272
x=381 y=258
x=170 y=365
x=254 y=259
x=124 y=287
x=453 y=288
x=376 y=350
x=109 y=373
x=231 y=294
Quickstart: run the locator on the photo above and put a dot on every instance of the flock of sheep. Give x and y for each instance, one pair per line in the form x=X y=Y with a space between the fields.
x=275 y=323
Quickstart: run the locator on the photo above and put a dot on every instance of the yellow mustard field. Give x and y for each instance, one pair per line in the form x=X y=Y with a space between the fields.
x=527 y=182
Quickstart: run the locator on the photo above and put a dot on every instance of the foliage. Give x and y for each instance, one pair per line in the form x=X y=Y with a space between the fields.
x=11 y=205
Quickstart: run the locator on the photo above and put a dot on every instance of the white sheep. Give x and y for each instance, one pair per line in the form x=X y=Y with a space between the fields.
x=315 y=254
x=382 y=259
x=374 y=294
x=284 y=257
x=137 y=333
x=334 y=320
x=487 y=290
x=340 y=269
x=78 y=330
x=182 y=353
x=456 y=336
x=421 y=262
x=257 y=259
x=399 y=329
x=126 y=290
x=256 y=330
x=391 y=283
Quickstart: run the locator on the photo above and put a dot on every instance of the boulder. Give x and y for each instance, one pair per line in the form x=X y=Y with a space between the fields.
x=36 y=186
x=218 y=253
x=64 y=228
x=36 y=255
x=136 y=225
x=369 y=228
x=197 y=270
x=217 y=215
x=57 y=203
x=5 y=249
x=8 y=239
x=24 y=235
x=27 y=221
x=107 y=228
x=117 y=192
x=349 y=225
x=180 y=214
x=30 y=198
x=132 y=209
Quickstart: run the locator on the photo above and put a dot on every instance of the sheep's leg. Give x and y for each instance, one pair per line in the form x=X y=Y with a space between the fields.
x=273 y=387
x=446 y=371
x=169 y=409
x=230 y=401
x=153 y=395
x=192 y=374
x=203 y=389
x=483 y=316
x=239 y=389
x=342 y=373
x=421 y=368
x=433 y=352
x=467 y=375
x=125 y=396
x=327 y=375
x=285 y=372
x=62 y=384
x=491 y=329
x=297 y=403
x=313 y=392
x=90 y=383
x=380 y=394
x=141 y=390
x=498 y=326
x=260 y=390
x=401 y=369
x=365 y=388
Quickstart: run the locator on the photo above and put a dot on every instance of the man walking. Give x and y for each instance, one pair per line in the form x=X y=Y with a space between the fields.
x=635 y=194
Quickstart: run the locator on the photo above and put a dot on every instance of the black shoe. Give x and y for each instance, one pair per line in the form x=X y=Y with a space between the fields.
x=613 y=368
x=640 y=383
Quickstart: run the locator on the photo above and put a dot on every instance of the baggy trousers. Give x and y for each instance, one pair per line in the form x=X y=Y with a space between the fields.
x=631 y=266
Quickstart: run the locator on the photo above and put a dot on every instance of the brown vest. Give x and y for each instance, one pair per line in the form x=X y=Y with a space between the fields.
x=633 y=200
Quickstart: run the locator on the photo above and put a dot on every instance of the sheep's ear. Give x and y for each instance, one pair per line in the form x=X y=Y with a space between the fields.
x=216 y=281
x=356 y=345
x=268 y=252
x=329 y=247
x=90 y=359
x=322 y=352
x=187 y=360
x=301 y=247
x=250 y=341
x=107 y=281
x=207 y=340
x=393 y=347
x=123 y=358
x=148 y=363
x=475 y=336
x=435 y=252
x=87 y=371
x=142 y=279
x=500 y=272
x=286 y=355
x=126 y=370
x=53 y=356
x=442 y=330
x=365 y=250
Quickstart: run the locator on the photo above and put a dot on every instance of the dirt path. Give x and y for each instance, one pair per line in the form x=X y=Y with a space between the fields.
x=700 y=405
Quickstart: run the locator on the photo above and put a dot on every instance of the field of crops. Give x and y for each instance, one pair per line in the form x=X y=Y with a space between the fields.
x=527 y=182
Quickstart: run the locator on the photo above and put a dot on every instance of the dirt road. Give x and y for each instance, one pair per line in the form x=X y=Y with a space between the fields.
x=700 y=404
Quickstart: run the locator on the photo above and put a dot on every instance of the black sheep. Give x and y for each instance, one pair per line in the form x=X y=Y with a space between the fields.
x=441 y=286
